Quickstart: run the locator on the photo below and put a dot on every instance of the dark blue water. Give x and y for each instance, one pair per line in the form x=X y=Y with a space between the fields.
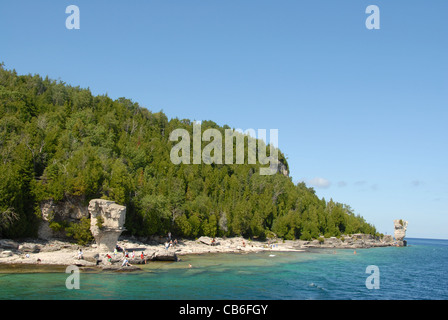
x=414 y=272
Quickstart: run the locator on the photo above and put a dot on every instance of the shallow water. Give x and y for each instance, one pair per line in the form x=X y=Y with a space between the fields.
x=413 y=272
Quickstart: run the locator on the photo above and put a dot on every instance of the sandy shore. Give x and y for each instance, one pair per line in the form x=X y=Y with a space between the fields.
x=57 y=252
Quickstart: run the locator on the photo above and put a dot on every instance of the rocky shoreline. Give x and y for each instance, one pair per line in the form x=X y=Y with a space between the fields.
x=57 y=252
x=107 y=221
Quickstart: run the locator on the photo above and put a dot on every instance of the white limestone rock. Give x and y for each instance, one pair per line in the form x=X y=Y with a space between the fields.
x=106 y=222
x=400 y=230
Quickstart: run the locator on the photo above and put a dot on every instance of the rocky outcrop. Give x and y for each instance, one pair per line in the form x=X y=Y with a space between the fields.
x=400 y=231
x=208 y=241
x=164 y=255
x=8 y=244
x=282 y=169
x=72 y=209
x=29 y=248
x=106 y=222
x=6 y=253
x=92 y=257
x=354 y=241
x=107 y=219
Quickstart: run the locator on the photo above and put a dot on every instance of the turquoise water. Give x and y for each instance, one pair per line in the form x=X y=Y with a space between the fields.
x=414 y=272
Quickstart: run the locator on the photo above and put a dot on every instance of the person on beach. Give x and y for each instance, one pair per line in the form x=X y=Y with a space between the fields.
x=115 y=252
x=80 y=254
x=109 y=258
x=126 y=263
x=142 y=256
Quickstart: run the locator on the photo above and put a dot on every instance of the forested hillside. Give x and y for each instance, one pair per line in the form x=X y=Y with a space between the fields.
x=59 y=141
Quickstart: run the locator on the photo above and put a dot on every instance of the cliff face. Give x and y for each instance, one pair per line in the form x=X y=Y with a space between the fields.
x=283 y=169
x=72 y=209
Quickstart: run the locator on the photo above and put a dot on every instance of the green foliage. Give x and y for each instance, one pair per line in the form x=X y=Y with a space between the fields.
x=59 y=141
x=99 y=222
x=7 y=220
x=58 y=226
x=306 y=235
x=80 y=231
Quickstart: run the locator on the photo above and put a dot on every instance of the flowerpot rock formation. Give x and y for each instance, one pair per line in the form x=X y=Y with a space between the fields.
x=106 y=222
x=400 y=231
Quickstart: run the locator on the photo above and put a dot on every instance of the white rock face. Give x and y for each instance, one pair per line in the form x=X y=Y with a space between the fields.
x=400 y=229
x=106 y=222
x=72 y=209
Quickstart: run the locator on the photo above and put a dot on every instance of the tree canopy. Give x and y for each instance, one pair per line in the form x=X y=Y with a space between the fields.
x=58 y=141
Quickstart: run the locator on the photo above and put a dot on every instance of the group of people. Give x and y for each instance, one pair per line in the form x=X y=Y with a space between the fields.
x=170 y=244
x=125 y=257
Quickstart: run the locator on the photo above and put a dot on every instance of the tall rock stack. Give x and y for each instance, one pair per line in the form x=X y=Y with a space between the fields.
x=106 y=222
x=400 y=232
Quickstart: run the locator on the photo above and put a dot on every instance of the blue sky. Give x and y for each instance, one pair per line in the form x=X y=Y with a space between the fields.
x=362 y=114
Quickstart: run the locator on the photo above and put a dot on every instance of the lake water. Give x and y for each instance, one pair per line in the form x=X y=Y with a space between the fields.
x=417 y=271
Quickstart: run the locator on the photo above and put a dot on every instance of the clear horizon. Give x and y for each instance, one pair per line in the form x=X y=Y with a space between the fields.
x=361 y=114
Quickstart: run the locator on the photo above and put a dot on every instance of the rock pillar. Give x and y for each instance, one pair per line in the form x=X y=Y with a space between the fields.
x=400 y=231
x=106 y=222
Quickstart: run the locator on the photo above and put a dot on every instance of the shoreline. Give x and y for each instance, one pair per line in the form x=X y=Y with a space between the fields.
x=62 y=253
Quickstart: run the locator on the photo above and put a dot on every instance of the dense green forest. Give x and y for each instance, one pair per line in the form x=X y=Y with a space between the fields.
x=59 y=141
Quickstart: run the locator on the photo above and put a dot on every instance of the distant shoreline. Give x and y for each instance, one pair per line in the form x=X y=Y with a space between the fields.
x=62 y=253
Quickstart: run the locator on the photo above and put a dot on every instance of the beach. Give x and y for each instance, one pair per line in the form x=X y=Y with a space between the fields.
x=59 y=252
